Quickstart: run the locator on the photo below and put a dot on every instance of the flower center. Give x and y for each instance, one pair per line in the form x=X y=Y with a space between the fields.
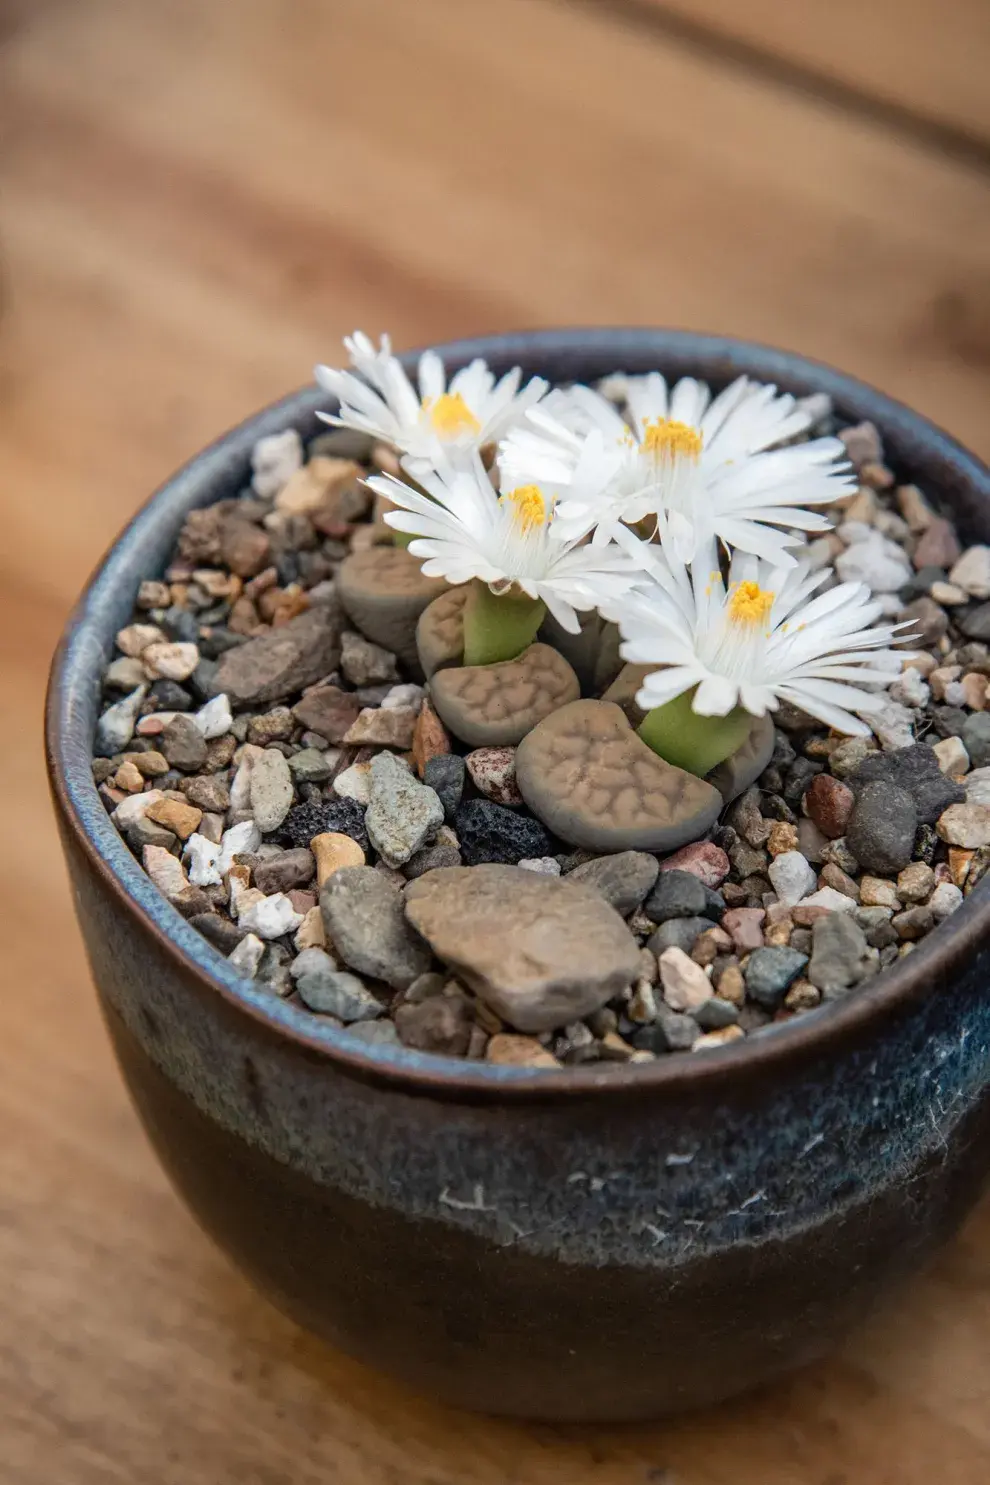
x=750 y=604
x=529 y=509
x=665 y=438
x=450 y=415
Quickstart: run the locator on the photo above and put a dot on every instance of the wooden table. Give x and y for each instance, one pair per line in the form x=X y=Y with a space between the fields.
x=196 y=200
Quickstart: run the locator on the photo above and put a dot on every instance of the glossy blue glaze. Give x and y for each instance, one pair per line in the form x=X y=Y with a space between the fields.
x=596 y=1243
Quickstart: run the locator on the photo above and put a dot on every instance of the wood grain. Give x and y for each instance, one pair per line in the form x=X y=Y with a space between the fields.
x=195 y=202
x=920 y=55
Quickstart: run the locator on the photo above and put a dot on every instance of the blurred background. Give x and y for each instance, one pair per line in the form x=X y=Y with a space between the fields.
x=197 y=199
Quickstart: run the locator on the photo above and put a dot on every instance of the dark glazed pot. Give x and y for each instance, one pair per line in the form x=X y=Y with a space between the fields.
x=592 y=1244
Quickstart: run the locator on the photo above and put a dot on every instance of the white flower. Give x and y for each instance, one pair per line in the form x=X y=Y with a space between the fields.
x=698 y=468
x=464 y=529
x=759 y=641
x=474 y=410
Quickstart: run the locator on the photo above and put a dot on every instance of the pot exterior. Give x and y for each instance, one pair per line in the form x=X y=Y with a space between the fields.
x=584 y=1245
x=604 y=1258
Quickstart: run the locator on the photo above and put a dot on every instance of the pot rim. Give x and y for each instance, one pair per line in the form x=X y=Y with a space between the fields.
x=86 y=644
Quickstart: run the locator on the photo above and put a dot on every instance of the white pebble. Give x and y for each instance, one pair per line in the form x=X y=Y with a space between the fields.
x=954 y=694
x=952 y=756
x=944 y=900
x=354 y=783
x=239 y=840
x=135 y=807
x=171 y=661
x=977 y=786
x=910 y=689
x=135 y=638
x=972 y=572
x=830 y=898
x=246 y=956
x=686 y=987
x=793 y=876
x=115 y=728
x=274 y=459
x=545 y=866
x=271 y=917
x=240 y=787
x=892 y=725
x=214 y=718
x=165 y=870
x=872 y=559
x=310 y=959
x=203 y=856
x=406 y=695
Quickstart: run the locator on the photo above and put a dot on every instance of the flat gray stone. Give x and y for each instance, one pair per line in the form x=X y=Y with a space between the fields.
x=366 y=927
x=541 y=951
x=402 y=813
x=274 y=665
x=624 y=880
x=496 y=705
x=585 y=773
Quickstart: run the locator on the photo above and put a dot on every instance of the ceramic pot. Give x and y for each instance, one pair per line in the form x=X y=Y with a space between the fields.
x=597 y=1243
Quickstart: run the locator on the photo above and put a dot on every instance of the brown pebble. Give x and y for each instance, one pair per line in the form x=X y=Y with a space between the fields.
x=708 y=945
x=783 y=837
x=915 y=882
x=778 y=933
x=439 y=1024
x=245 y=548
x=430 y=738
x=519 y=1051
x=720 y=1038
x=938 y=545
x=829 y=804
x=302 y=901
x=744 y=925
x=129 y=778
x=804 y=914
x=959 y=864
x=311 y=933
x=802 y=996
x=333 y=851
x=181 y=818
x=730 y=985
x=833 y=876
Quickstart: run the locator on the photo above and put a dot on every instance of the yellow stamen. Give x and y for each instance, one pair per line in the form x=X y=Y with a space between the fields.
x=750 y=604
x=529 y=508
x=450 y=415
x=665 y=438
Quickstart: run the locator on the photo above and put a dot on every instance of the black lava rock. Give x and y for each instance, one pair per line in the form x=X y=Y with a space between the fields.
x=769 y=972
x=677 y=894
x=882 y=827
x=976 y=739
x=490 y=832
x=342 y=815
x=445 y=774
x=916 y=771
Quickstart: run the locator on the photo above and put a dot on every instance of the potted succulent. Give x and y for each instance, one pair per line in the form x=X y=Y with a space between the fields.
x=527 y=826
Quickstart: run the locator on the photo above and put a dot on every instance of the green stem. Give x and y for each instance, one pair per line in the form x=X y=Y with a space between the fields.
x=401 y=538
x=499 y=628
x=697 y=744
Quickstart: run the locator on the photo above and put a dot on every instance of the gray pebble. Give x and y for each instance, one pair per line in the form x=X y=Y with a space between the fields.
x=840 y=956
x=623 y=879
x=310 y=766
x=770 y=971
x=402 y=814
x=976 y=737
x=335 y=992
x=445 y=774
x=365 y=923
x=716 y=1014
x=677 y=894
x=183 y=744
x=677 y=933
x=882 y=827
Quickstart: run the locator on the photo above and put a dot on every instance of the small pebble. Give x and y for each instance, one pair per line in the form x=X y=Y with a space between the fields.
x=333 y=851
x=271 y=917
x=245 y=956
x=493 y=773
x=792 y=876
x=685 y=984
